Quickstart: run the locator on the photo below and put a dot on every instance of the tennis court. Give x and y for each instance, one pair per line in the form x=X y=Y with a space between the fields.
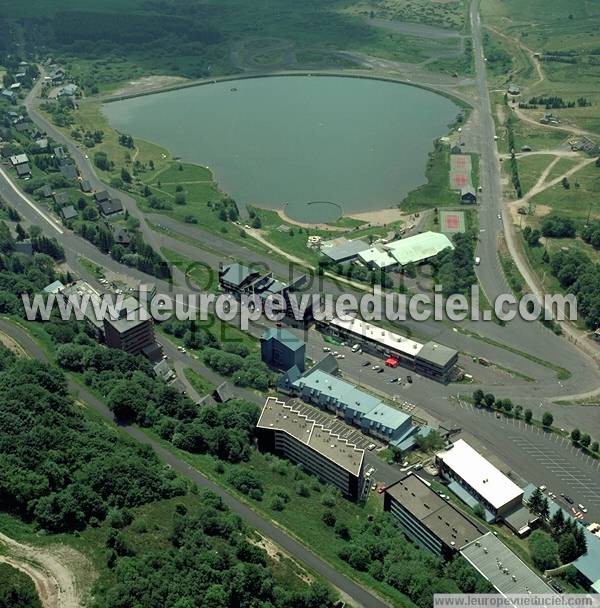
x=452 y=221
x=460 y=171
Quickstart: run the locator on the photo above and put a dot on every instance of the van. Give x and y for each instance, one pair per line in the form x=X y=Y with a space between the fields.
x=355 y=348
x=477 y=261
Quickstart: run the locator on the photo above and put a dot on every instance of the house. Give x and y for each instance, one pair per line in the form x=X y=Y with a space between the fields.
x=23 y=170
x=68 y=212
x=59 y=152
x=110 y=207
x=10 y=95
x=19 y=159
x=42 y=144
x=513 y=89
x=69 y=171
x=456 y=149
x=85 y=185
x=68 y=90
x=62 y=198
x=57 y=76
x=23 y=127
x=121 y=236
x=223 y=393
x=24 y=247
x=343 y=250
x=45 y=191
x=467 y=195
x=101 y=196
x=15 y=86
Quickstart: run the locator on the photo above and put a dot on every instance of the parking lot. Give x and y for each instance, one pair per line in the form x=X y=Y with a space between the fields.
x=550 y=460
x=337 y=426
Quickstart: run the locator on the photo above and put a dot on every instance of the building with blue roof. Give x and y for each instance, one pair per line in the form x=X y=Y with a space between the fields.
x=386 y=423
x=282 y=349
x=331 y=393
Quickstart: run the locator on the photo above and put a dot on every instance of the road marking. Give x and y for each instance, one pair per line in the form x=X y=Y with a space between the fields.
x=34 y=207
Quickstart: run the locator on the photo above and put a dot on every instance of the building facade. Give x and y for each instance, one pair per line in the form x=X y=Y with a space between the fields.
x=282 y=349
x=285 y=431
x=427 y=519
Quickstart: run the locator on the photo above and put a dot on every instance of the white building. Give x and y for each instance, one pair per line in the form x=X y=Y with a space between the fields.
x=464 y=465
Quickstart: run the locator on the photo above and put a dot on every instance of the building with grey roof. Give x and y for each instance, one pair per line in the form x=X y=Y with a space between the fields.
x=436 y=361
x=429 y=520
x=285 y=431
x=236 y=278
x=68 y=213
x=110 y=207
x=132 y=331
x=430 y=359
x=345 y=252
x=502 y=568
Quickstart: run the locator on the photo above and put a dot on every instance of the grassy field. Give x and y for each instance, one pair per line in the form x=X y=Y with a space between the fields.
x=436 y=192
x=203 y=276
x=581 y=199
x=559 y=29
x=530 y=169
x=200 y=384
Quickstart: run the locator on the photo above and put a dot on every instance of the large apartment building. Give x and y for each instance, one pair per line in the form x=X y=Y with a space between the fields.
x=285 y=431
x=427 y=519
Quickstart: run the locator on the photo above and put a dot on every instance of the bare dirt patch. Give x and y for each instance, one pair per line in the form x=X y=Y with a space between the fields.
x=542 y=210
x=380 y=217
x=149 y=83
x=62 y=576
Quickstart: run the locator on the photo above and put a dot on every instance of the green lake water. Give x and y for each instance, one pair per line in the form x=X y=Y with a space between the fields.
x=287 y=142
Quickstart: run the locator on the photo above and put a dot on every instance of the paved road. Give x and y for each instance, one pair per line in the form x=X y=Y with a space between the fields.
x=264 y=526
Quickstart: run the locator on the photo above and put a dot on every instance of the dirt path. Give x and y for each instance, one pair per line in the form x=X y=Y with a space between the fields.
x=560 y=127
x=52 y=570
x=542 y=184
x=12 y=345
x=536 y=64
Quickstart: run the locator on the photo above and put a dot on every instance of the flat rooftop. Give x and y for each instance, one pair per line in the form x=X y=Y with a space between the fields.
x=505 y=571
x=344 y=250
x=277 y=415
x=377 y=334
x=480 y=474
x=437 y=354
x=438 y=515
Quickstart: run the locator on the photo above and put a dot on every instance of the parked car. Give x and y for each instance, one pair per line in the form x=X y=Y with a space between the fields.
x=375 y=368
x=380 y=370
x=371 y=446
x=366 y=363
x=409 y=379
x=568 y=499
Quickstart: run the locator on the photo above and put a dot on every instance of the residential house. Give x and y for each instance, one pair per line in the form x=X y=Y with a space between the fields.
x=68 y=212
x=110 y=207
x=10 y=95
x=19 y=159
x=121 y=236
x=23 y=170
x=45 y=191
x=62 y=199
x=68 y=90
x=456 y=149
x=468 y=195
x=101 y=196
x=85 y=185
x=69 y=171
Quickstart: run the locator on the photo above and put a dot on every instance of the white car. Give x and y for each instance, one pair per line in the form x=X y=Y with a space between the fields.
x=341 y=356
x=582 y=508
x=375 y=368
x=371 y=446
x=477 y=261
x=335 y=353
x=326 y=349
x=499 y=216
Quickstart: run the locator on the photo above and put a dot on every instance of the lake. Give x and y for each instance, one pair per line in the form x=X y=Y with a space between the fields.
x=346 y=144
